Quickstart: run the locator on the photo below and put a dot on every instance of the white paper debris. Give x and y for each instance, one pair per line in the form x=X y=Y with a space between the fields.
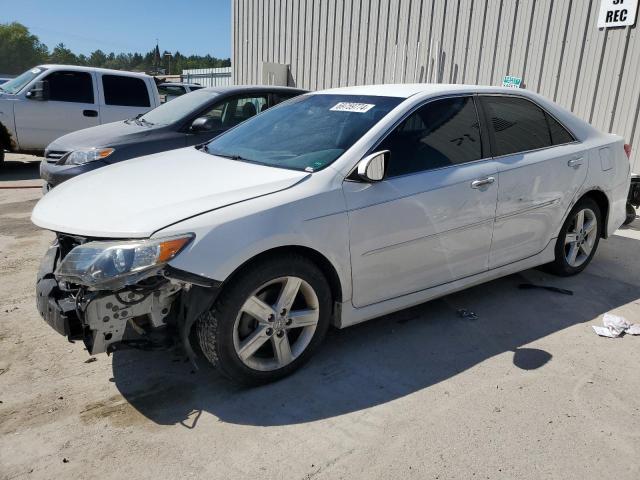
x=352 y=107
x=615 y=325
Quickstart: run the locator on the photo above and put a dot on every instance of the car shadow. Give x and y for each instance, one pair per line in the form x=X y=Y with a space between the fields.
x=390 y=357
x=16 y=170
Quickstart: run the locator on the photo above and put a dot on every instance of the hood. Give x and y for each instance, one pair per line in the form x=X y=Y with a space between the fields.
x=106 y=135
x=136 y=198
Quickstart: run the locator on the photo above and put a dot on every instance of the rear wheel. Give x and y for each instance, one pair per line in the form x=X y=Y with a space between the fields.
x=268 y=321
x=578 y=239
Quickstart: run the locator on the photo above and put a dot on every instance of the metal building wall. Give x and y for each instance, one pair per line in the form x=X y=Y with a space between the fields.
x=554 y=45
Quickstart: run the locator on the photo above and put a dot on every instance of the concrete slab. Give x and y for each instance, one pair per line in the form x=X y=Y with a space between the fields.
x=527 y=391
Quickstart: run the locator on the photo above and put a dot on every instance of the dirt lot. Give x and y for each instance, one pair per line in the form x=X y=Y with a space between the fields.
x=526 y=391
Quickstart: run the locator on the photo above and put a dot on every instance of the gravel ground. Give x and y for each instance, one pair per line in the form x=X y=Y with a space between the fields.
x=526 y=391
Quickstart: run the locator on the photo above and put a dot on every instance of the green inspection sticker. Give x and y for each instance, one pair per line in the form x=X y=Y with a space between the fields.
x=511 y=82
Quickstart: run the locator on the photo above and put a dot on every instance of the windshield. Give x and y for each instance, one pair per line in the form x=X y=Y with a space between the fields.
x=15 y=85
x=178 y=108
x=306 y=133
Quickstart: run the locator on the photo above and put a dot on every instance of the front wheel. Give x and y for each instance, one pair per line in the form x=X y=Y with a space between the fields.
x=268 y=321
x=578 y=239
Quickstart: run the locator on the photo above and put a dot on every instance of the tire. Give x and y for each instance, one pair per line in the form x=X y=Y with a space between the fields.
x=585 y=244
x=227 y=334
x=1 y=155
x=631 y=214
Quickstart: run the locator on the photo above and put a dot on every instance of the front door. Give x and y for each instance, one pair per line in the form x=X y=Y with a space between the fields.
x=72 y=105
x=430 y=220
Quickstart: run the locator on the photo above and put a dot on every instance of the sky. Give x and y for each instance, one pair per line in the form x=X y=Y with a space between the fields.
x=193 y=26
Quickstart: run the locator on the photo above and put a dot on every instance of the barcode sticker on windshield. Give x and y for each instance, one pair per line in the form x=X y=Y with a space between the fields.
x=352 y=107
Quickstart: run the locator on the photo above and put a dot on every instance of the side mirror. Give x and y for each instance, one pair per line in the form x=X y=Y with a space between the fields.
x=39 y=91
x=372 y=168
x=206 y=124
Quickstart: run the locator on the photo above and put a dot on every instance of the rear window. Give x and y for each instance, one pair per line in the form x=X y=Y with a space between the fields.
x=559 y=134
x=125 y=91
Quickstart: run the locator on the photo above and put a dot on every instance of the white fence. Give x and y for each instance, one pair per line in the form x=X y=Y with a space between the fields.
x=208 y=77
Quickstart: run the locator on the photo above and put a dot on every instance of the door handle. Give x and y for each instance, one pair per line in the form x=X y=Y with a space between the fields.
x=90 y=113
x=482 y=182
x=575 y=162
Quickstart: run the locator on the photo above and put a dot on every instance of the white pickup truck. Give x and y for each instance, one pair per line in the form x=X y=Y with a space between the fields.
x=49 y=101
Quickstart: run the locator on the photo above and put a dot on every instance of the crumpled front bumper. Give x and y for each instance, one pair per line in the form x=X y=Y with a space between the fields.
x=104 y=320
x=148 y=315
x=56 y=307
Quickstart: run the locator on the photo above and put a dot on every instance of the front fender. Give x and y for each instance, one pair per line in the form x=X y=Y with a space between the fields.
x=229 y=237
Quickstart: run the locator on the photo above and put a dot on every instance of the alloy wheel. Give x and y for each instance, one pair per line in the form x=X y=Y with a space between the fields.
x=276 y=323
x=580 y=237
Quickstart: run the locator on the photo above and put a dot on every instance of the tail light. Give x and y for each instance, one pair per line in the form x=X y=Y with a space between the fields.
x=627 y=150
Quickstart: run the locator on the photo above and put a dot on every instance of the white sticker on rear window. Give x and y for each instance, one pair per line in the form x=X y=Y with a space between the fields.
x=352 y=107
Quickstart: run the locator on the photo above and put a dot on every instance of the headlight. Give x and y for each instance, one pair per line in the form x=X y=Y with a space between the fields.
x=100 y=262
x=85 y=155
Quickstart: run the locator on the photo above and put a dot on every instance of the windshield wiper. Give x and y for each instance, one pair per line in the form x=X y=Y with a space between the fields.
x=138 y=120
x=229 y=155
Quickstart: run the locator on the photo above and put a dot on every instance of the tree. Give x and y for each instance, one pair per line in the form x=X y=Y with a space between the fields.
x=97 y=58
x=63 y=55
x=19 y=50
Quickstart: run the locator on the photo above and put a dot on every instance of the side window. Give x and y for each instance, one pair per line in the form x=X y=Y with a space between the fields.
x=169 y=92
x=559 y=134
x=439 y=134
x=174 y=90
x=242 y=108
x=70 y=86
x=125 y=91
x=235 y=110
x=518 y=125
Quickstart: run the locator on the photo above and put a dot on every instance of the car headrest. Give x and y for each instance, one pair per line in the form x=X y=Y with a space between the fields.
x=248 y=110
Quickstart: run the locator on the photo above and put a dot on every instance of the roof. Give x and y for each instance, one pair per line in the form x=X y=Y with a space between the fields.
x=180 y=84
x=259 y=88
x=406 y=90
x=94 y=69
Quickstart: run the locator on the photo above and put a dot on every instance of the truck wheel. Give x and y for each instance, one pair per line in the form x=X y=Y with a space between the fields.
x=578 y=239
x=268 y=321
x=631 y=214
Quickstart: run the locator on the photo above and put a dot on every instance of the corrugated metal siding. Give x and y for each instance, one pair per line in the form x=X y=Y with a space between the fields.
x=208 y=77
x=554 y=45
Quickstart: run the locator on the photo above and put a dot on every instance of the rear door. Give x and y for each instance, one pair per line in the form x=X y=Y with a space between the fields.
x=430 y=220
x=541 y=167
x=72 y=105
x=123 y=97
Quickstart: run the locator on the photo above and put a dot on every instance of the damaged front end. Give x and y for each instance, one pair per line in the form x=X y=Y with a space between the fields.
x=121 y=294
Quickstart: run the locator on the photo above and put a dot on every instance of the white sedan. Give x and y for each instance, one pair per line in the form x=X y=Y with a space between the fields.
x=332 y=208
